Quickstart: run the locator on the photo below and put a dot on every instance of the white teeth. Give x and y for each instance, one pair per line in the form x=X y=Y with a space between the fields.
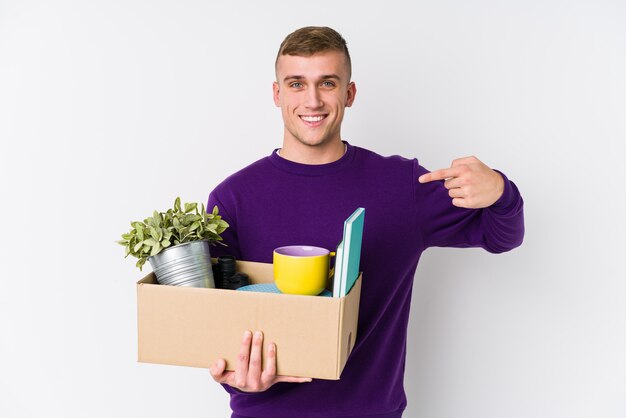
x=312 y=118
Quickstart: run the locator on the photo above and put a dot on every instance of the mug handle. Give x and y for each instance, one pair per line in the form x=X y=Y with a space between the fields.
x=331 y=273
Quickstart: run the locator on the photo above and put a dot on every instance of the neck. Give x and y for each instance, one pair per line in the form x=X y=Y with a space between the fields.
x=313 y=154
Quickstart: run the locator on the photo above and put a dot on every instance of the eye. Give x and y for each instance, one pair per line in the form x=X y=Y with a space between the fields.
x=296 y=85
x=328 y=83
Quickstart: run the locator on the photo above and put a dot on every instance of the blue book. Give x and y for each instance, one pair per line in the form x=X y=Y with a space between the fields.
x=351 y=251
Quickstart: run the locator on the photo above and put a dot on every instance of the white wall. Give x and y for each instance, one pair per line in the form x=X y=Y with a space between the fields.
x=110 y=109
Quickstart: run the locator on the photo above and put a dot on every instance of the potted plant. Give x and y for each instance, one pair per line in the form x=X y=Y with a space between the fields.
x=176 y=244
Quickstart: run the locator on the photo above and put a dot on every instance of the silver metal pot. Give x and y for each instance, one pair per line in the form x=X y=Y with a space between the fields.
x=187 y=264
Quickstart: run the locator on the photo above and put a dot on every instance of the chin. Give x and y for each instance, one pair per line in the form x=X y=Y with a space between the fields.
x=316 y=142
x=312 y=142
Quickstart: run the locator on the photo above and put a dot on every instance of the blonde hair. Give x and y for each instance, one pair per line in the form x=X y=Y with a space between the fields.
x=310 y=40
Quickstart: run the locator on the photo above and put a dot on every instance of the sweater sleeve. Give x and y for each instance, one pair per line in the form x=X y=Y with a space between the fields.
x=497 y=228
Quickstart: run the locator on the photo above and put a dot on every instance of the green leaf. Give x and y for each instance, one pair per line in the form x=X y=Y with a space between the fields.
x=190 y=207
x=156 y=249
x=138 y=246
x=165 y=243
x=191 y=218
x=177 y=204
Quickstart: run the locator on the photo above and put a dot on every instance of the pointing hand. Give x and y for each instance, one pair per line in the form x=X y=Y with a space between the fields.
x=470 y=183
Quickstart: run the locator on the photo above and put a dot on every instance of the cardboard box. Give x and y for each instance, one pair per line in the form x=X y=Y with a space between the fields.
x=194 y=327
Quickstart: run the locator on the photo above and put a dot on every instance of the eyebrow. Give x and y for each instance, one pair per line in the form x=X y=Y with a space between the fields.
x=323 y=77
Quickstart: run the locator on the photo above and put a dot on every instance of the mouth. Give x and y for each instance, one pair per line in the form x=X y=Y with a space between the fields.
x=313 y=120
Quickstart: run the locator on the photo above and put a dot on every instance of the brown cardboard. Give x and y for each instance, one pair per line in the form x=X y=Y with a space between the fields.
x=194 y=327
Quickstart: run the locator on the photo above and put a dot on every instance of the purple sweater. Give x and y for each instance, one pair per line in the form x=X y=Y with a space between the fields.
x=275 y=202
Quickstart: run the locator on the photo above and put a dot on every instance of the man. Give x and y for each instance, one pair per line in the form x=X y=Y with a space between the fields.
x=302 y=193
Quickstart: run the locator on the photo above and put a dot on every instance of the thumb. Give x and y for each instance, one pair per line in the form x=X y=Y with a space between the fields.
x=217 y=369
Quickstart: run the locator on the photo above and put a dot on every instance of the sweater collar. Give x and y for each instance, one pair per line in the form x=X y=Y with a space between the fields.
x=313 y=169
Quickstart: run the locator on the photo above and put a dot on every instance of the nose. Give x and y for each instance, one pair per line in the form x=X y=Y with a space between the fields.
x=313 y=99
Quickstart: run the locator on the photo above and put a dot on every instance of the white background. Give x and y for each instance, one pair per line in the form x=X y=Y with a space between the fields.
x=111 y=109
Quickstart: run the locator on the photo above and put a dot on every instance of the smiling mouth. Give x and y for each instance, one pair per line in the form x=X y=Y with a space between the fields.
x=313 y=119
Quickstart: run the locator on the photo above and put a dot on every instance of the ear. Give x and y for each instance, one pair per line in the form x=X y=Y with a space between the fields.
x=276 y=94
x=351 y=94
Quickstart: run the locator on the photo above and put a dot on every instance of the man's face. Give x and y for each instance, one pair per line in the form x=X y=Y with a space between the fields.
x=312 y=93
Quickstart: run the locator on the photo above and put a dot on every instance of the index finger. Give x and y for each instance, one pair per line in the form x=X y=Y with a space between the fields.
x=256 y=356
x=243 y=360
x=442 y=174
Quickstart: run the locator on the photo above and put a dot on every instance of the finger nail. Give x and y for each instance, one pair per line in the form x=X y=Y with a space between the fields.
x=272 y=348
x=257 y=335
x=247 y=334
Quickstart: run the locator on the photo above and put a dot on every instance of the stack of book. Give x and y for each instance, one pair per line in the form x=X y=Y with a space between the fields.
x=348 y=254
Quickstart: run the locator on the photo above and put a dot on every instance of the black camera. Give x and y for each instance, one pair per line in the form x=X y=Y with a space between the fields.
x=225 y=275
